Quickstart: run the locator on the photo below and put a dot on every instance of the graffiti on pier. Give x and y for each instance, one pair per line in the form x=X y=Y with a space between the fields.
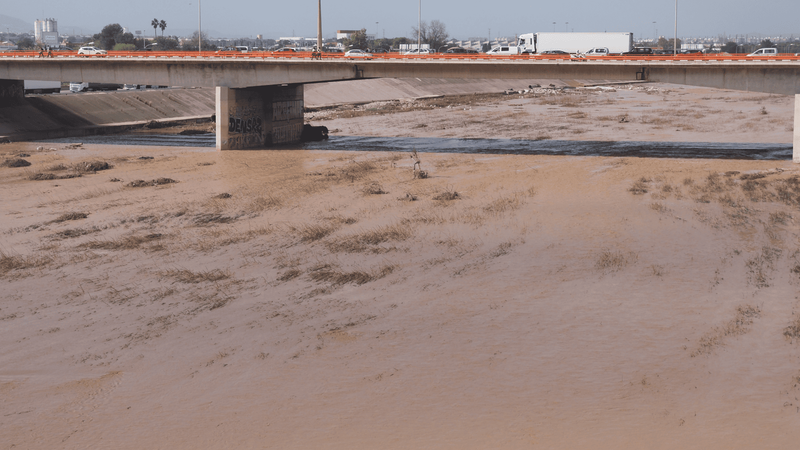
x=287 y=133
x=245 y=125
x=287 y=110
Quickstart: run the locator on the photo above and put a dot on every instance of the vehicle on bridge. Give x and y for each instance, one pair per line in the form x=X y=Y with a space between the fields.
x=419 y=51
x=91 y=51
x=597 y=51
x=461 y=50
x=764 y=52
x=615 y=42
x=357 y=53
x=639 y=51
x=503 y=50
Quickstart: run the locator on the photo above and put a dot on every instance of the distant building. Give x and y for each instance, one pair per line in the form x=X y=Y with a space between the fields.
x=345 y=34
x=46 y=32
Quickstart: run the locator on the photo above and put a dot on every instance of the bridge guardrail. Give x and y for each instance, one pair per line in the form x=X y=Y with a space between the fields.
x=397 y=56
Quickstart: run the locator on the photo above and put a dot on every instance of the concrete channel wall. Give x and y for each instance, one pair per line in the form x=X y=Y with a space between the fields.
x=49 y=116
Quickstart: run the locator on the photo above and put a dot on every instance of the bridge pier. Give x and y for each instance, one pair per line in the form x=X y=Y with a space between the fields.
x=259 y=117
x=796 y=140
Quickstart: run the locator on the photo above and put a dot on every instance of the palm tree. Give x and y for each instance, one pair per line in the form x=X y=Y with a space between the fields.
x=154 y=24
x=163 y=26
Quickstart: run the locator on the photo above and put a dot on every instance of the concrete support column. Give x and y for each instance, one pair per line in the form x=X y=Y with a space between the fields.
x=11 y=92
x=796 y=140
x=259 y=117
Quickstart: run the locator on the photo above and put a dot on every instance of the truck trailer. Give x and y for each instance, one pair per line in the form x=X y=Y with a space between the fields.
x=616 y=42
x=42 y=87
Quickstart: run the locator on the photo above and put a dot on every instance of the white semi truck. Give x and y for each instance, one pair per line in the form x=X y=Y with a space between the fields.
x=42 y=87
x=615 y=42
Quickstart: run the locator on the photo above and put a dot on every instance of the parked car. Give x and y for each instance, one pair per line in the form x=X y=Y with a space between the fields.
x=357 y=53
x=423 y=51
x=554 y=52
x=640 y=51
x=764 y=52
x=599 y=51
x=91 y=51
x=285 y=49
x=460 y=50
x=504 y=50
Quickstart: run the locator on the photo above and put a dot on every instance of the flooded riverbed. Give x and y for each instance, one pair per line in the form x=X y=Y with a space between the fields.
x=642 y=149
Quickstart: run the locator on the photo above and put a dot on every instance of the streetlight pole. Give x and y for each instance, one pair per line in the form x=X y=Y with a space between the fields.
x=566 y=26
x=200 y=30
x=675 y=42
x=655 y=34
x=554 y=27
x=319 y=25
x=419 y=28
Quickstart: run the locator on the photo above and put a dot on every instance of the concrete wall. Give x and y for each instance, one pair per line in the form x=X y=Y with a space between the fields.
x=11 y=91
x=258 y=117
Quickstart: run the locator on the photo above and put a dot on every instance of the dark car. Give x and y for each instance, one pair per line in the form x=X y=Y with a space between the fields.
x=640 y=51
x=460 y=50
x=554 y=52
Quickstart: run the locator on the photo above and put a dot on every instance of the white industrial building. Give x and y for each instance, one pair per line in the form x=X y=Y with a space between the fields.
x=46 y=32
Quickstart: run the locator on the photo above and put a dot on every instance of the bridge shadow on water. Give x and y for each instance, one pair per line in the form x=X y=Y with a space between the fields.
x=641 y=149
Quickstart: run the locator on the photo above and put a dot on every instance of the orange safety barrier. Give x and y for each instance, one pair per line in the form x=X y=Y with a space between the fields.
x=398 y=56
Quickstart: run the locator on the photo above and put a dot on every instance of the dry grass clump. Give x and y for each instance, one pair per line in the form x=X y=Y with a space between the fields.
x=779 y=218
x=70 y=216
x=792 y=332
x=91 y=166
x=613 y=261
x=446 y=196
x=41 y=176
x=313 y=232
x=331 y=274
x=290 y=274
x=356 y=170
x=361 y=242
x=788 y=190
x=75 y=232
x=373 y=188
x=639 y=187
x=752 y=176
x=263 y=203
x=126 y=243
x=222 y=196
x=9 y=263
x=210 y=219
x=739 y=325
x=187 y=276
x=658 y=207
x=760 y=265
x=15 y=162
x=156 y=182
x=503 y=204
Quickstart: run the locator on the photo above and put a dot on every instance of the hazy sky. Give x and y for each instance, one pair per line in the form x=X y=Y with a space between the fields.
x=464 y=19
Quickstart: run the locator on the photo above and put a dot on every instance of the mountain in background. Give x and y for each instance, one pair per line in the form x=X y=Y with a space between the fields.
x=14 y=25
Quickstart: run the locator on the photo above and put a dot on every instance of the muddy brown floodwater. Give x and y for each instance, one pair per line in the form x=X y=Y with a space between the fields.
x=332 y=299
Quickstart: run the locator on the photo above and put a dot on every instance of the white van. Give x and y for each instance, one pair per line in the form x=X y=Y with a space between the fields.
x=504 y=50
x=599 y=51
x=765 y=52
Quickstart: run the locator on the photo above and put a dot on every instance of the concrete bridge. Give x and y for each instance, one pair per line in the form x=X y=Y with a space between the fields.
x=260 y=102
